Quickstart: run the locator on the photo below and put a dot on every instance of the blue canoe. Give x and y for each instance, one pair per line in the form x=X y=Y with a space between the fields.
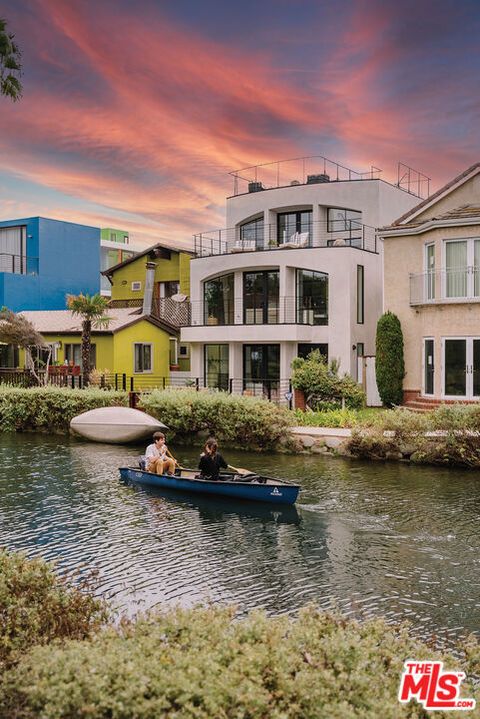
x=255 y=488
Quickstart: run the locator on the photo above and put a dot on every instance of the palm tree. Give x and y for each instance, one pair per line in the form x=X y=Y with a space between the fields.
x=92 y=309
x=10 y=66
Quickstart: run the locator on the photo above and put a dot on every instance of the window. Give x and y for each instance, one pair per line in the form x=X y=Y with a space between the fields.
x=360 y=349
x=429 y=366
x=184 y=351
x=462 y=268
x=142 y=357
x=312 y=298
x=360 y=294
x=253 y=231
x=73 y=354
x=305 y=349
x=136 y=286
x=430 y=271
x=260 y=298
x=216 y=366
x=173 y=351
x=289 y=223
x=218 y=302
x=12 y=250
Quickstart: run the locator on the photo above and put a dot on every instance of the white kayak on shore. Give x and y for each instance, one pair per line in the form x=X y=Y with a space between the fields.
x=115 y=425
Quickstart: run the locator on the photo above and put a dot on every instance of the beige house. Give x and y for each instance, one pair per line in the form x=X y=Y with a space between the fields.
x=432 y=283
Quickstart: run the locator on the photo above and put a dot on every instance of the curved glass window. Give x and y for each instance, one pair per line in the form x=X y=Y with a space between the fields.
x=312 y=297
x=218 y=302
x=253 y=232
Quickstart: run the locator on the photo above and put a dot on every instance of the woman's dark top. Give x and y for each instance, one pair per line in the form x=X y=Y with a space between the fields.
x=210 y=466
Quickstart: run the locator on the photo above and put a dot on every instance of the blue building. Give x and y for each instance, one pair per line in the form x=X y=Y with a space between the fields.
x=42 y=260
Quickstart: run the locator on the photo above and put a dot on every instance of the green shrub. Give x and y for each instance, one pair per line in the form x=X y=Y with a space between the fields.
x=449 y=435
x=50 y=408
x=322 y=385
x=389 y=363
x=37 y=606
x=243 y=421
x=199 y=663
x=327 y=418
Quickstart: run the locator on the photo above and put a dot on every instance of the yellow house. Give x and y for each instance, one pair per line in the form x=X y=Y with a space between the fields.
x=158 y=280
x=135 y=347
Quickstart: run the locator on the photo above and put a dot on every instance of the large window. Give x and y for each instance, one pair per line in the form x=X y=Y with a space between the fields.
x=253 y=231
x=73 y=354
x=216 y=366
x=312 y=298
x=304 y=349
x=290 y=223
x=261 y=369
x=143 y=357
x=218 y=301
x=260 y=298
x=12 y=250
x=462 y=268
x=342 y=220
x=8 y=355
x=360 y=294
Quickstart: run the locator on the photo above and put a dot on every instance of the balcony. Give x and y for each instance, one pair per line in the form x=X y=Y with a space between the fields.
x=18 y=264
x=287 y=310
x=445 y=286
x=337 y=234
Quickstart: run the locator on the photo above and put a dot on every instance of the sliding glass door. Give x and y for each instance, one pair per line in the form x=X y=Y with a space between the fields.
x=261 y=369
x=261 y=298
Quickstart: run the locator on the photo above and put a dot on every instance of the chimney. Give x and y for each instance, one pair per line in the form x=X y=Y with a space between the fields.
x=148 y=294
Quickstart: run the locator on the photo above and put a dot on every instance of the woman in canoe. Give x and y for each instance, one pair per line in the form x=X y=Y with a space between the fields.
x=211 y=461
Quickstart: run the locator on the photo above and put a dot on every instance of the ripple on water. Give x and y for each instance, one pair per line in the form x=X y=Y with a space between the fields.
x=400 y=542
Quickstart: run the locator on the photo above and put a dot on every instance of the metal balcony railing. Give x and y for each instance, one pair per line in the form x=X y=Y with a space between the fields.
x=256 y=311
x=339 y=233
x=445 y=286
x=18 y=264
x=315 y=169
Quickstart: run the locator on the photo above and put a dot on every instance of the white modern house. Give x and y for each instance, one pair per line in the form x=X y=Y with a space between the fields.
x=298 y=268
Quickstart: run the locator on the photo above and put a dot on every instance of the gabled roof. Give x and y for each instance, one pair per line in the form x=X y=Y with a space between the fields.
x=154 y=252
x=429 y=201
x=64 y=322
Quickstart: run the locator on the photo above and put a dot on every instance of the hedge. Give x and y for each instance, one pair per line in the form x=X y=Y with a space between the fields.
x=50 y=409
x=389 y=362
x=247 y=422
x=202 y=663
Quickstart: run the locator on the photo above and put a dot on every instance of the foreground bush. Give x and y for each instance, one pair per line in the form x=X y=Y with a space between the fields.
x=199 y=663
x=37 y=606
x=449 y=435
x=50 y=408
x=322 y=386
x=244 y=421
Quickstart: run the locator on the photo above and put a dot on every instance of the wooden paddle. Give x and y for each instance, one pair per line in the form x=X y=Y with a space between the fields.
x=240 y=470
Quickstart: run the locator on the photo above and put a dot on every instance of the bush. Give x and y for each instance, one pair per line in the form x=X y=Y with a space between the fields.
x=50 y=409
x=389 y=363
x=449 y=435
x=322 y=385
x=37 y=606
x=244 y=421
x=327 y=418
x=199 y=663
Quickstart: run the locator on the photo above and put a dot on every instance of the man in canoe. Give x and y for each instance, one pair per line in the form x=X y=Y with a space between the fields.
x=211 y=461
x=156 y=456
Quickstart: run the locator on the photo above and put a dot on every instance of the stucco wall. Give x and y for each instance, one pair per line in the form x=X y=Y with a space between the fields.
x=174 y=269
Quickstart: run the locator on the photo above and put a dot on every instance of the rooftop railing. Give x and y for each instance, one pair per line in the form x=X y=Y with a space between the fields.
x=445 y=286
x=18 y=264
x=314 y=169
x=338 y=233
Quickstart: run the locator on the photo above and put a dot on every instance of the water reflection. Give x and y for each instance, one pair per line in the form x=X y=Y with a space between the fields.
x=373 y=539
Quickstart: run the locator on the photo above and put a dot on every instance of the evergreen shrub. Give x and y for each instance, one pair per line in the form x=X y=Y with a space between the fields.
x=37 y=606
x=389 y=362
x=247 y=422
x=322 y=386
x=201 y=663
x=50 y=409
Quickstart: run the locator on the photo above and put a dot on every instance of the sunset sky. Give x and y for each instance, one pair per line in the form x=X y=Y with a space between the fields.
x=135 y=110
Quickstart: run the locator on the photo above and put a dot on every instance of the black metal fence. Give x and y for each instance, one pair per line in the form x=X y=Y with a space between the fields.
x=278 y=391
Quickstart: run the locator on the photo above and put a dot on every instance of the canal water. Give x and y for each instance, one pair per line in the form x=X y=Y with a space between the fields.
x=371 y=539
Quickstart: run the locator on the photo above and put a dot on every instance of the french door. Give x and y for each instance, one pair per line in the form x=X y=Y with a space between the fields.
x=461 y=367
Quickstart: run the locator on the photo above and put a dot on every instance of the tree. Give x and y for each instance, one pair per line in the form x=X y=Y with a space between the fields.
x=389 y=362
x=10 y=65
x=17 y=330
x=92 y=309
